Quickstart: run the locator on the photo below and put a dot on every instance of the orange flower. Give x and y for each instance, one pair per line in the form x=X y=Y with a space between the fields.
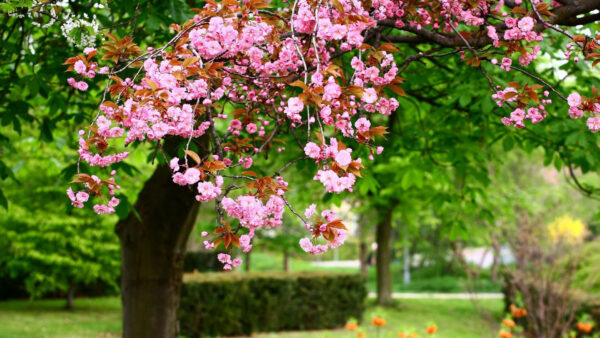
x=352 y=326
x=518 y=312
x=414 y=335
x=508 y=322
x=431 y=329
x=378 y=321
x=505 y=334
x=403 y=335
x=361 y=335
x=584 y=327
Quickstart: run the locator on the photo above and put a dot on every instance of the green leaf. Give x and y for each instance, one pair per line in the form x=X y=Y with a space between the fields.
x=3 y=200
x=406 y=180
x=508 y=142
x=122 y=210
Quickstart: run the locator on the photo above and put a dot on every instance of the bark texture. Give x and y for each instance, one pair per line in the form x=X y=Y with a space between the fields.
x=384 y=257
x=153 y=251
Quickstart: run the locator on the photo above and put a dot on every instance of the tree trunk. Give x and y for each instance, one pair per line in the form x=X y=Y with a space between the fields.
x=152 y=254
x=70 y=296
x=362 y=246
x=406 y=255
x=247 y=262
x=286 y=261
x=384 y=278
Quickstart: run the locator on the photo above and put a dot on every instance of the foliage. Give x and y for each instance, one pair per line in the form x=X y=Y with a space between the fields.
x=58 y=254
x=46 y=246
x=587 y=275
x=234 y=304
x=200 y=261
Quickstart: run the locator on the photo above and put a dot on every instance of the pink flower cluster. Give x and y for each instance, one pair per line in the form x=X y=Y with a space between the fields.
x=108 y=208
x=79 y=198
x=81 y=85
x=252 y=213
x=535 y=113
x=228 y=262
x=317 y=249
x=578 y=105
x=341 y=157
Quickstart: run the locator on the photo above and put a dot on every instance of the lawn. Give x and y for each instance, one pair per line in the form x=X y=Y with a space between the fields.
x=454 y=318
x=92 y=317
x=426 y=279
x=100 y=317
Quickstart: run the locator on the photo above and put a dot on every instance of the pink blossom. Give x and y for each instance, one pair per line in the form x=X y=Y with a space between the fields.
x=332 y=90
x=80 y=67
x=369 y=95
x=575 y=113
x=310 y=210
x=224 y=258
x=174 y=164
x=362 y=124
x=506 y=63
x=593 y=124
x=510 y=22
x=244 y=240
x=251 y=128
x=82 y=196
x=312 y=150
x=526 y=24
x=574 y=100
x=517 y=115
x=191 y=175
x=343 y=157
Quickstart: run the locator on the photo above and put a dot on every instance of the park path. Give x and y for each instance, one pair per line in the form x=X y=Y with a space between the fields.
x=423 y=295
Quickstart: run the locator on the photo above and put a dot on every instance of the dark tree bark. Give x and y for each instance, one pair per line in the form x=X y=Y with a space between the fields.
x=384 y=257
x=153 y=251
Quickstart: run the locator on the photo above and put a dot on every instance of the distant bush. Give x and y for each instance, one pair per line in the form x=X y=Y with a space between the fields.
x=218 y=304
x=49 y=256
x=201 y=261
x=558 y=291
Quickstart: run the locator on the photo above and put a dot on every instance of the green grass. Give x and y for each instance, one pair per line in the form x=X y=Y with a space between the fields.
x=422 y=280
x=101 y=317
x=454 y=318
x=92 y=317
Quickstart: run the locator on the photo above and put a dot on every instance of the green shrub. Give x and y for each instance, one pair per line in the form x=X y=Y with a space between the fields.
x=201 y=261
x=216 y=304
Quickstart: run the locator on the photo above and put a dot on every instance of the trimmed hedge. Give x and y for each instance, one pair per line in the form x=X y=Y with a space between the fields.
x=221 y=304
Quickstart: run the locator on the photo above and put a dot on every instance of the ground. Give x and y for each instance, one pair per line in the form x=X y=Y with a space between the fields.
x=426 y=279
x=100 y=317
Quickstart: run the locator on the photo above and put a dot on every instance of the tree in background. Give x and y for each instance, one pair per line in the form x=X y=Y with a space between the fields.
x=290 y=73
x=47 y=247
